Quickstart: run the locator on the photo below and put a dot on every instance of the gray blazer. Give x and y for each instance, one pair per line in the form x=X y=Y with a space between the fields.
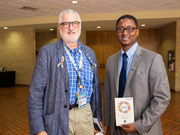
x=147 y=83
x=48 y=103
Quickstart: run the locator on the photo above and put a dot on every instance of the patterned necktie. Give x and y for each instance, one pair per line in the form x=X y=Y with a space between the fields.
x=122 y=78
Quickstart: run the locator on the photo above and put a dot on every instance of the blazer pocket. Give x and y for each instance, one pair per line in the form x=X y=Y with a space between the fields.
x=49 y=123
x=140 y=78
x=140 y=82
x=140 y=86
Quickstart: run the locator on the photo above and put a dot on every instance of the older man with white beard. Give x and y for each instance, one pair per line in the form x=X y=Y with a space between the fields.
x=65 y=94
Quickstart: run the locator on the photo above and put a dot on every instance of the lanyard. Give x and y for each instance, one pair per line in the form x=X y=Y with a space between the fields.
x=75 y=66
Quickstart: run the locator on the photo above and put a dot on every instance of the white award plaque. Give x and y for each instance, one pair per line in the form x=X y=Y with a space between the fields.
x=124 y=110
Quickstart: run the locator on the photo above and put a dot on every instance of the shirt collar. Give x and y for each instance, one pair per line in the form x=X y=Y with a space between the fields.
x=131 y=50
x=76 y=49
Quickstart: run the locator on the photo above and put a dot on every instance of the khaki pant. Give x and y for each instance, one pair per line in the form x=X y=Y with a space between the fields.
x=81 y=121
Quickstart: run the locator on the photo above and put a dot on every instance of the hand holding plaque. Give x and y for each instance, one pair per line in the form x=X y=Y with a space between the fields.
x=124 y=110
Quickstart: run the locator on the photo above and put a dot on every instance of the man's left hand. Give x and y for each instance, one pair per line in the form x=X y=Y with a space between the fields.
x=129 y=128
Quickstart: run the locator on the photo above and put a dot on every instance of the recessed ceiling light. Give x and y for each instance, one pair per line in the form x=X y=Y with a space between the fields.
x=98 y=27
x=5 y=28
x=143 y=25
x=51 y=29
x=74 y=2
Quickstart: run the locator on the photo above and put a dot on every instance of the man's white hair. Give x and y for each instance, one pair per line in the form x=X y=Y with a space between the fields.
x=68 y=11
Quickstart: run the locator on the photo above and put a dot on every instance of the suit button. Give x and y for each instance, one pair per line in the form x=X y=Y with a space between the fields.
x=65 y=106
x=66 y=91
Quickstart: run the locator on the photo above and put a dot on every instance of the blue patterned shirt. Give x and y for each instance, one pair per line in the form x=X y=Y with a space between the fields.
x=86 y=74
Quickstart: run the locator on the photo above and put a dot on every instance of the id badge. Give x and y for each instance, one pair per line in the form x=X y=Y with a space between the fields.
x=82 y=99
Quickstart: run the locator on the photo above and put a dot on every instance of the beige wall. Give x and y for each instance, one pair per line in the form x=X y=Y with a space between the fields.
x=45 y=38
x=17 y=53
x=177 y=57
x=168 y=43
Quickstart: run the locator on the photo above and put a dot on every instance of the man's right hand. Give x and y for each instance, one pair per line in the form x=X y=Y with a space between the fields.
x=42 y=133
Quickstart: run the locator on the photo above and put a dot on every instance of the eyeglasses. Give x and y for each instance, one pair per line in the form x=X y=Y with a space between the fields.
x=128 y=29
x=66 y=25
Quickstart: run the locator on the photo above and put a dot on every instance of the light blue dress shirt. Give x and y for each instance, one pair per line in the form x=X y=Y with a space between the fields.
x=130 y=53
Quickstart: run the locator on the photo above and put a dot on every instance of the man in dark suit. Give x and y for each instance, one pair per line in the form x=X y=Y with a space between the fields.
x=65 y=91
x=139 y=73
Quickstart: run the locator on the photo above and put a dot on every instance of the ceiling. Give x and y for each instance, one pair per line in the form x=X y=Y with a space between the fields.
x=11 y=10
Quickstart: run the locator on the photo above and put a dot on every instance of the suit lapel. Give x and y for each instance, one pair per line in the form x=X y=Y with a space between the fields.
x=134 y=65
x=61 y=54
x=116 y=70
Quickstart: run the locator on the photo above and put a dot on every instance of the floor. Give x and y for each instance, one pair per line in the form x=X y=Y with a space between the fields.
x=13 y=110
x=14 y=118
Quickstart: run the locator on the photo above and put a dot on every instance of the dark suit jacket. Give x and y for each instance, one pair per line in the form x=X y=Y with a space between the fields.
x=147 y=83
x=48 y=103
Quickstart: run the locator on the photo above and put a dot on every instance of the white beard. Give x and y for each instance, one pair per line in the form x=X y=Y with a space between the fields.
x=70 y=39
